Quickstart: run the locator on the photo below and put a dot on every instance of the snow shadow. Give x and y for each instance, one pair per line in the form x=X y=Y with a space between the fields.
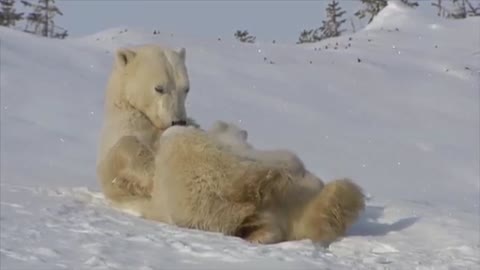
x=368 y=224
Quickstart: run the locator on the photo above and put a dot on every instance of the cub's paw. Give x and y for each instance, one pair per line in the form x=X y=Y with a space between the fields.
x=175 y=130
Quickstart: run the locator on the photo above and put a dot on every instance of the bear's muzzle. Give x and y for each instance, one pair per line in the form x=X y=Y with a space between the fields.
x=179 y=123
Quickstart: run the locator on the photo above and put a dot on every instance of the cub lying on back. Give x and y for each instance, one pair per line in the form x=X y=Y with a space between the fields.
x=202 y=183
x=235 y=138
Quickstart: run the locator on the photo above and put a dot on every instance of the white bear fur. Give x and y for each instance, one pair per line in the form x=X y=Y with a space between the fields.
x=205 y=180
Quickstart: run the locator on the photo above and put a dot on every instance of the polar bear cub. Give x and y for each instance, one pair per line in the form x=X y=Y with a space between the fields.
x=235 y=138
x=203 y=182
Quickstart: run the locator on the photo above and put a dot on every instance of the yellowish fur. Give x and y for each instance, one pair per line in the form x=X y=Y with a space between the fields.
x=135 y=115
x=202 y=184
x=235 y=139
x=192 y=179
x=330 y=213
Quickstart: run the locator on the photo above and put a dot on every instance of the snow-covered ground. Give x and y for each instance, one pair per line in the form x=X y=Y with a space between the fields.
x=395 y=107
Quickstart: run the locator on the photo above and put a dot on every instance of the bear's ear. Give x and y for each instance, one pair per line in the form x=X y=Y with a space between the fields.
x=182 y=53
x=124 y=56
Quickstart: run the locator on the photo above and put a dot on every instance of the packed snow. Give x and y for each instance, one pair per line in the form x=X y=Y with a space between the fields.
x=395 y=107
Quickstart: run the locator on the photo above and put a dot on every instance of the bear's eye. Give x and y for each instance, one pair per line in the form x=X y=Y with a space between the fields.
x=187 y=90
x=159 y=89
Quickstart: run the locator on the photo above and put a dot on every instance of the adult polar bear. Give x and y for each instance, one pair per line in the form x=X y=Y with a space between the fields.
x=193 y=179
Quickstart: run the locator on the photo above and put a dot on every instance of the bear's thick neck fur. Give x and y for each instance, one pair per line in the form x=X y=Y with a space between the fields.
x=122 y=119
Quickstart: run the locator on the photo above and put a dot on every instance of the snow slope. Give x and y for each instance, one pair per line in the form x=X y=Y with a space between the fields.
x=395 y=107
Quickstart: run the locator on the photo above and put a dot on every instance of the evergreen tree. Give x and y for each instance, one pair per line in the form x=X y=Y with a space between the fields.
x=8 y=15
x=459 y=10
x=471 y=9
x=463 y=9
x=410 y=3
x=439 y=5
x=331 y=27
x=41 y=20
x=371 y=9
x=307 y=36
x=243 y=36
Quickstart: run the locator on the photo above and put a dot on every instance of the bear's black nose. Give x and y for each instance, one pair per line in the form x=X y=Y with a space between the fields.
x=179 y=123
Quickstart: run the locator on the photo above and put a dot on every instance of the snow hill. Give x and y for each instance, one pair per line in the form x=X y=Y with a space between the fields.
x=394 y=107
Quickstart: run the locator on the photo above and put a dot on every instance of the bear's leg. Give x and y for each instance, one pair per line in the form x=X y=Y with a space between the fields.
x=127 y=170
x=261 y=228
x=225 y=217
x=330 y=213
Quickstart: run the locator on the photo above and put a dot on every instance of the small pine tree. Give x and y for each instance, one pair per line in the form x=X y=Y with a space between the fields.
x=8 y=14
x=438 y=5
x=371 y=9
x=352 y=25
x=443 y=11
x=307 y=36
x=331 y=27
x=243 y=36
x=410 y=3
x=472 y=10
x=459 y=10
x=40 y=20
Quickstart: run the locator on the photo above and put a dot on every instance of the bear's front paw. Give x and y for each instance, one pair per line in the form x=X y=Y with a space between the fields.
x=257 y=230
x=262 y=236
x=132 y=187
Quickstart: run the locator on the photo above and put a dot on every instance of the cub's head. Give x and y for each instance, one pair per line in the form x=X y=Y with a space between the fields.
x=155 y=82
x=230 y=135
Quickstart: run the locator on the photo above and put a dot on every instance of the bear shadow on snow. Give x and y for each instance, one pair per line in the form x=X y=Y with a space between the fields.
x=368 y=224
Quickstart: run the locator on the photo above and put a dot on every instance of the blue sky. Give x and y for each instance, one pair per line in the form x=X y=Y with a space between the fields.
x=268 y=20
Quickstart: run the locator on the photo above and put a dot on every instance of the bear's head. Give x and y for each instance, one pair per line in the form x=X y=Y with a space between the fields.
x=155 y=82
